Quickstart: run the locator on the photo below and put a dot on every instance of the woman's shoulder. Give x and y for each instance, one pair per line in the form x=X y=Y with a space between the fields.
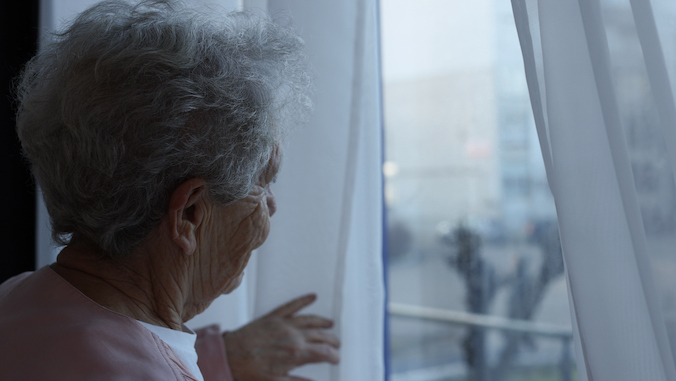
x=55 y=332
x=7 y=286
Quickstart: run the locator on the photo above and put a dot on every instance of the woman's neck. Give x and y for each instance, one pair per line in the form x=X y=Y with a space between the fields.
x=132 y=286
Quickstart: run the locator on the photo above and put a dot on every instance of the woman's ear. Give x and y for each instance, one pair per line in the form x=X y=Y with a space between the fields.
x=186 y=211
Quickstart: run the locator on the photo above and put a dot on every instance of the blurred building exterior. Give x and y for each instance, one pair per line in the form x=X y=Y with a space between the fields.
x=461 y=145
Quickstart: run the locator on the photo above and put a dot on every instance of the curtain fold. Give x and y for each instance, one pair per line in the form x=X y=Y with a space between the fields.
x=618 y=320
x=328 y=237
x=653 y=56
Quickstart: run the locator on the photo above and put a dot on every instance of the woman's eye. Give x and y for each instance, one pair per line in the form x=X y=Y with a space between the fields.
x=274 y=180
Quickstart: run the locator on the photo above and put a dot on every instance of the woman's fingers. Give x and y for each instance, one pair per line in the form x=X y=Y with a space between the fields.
x=311 y=321
x=315 y=352
x=320 y=346
x=294 y=378
x=321 y=337
x=293 y=306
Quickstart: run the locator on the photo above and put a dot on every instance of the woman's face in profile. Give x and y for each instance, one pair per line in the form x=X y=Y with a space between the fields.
x=234 y=231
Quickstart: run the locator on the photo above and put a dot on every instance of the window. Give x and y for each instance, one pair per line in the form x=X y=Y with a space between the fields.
x=476 y=282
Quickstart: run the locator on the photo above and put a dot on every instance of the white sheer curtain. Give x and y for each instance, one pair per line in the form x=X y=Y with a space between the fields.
x=327 y=237
x=598 y=75
x=327 y=234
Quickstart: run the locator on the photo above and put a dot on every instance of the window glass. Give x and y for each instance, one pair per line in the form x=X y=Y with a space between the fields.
x=476 y=281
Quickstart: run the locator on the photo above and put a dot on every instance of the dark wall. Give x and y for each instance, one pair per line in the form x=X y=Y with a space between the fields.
x=19 y=35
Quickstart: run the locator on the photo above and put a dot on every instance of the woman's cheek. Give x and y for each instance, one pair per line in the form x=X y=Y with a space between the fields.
x=260 y=224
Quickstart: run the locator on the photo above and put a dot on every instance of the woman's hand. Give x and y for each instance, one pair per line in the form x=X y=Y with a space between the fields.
x=268 y=348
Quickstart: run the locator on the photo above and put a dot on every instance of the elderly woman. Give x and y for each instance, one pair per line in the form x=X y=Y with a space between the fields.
x=154 y=133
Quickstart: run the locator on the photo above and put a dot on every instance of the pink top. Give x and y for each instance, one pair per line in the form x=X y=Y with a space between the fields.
x=49 y=330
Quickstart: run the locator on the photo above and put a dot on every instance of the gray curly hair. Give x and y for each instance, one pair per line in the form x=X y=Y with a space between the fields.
x=132 y=100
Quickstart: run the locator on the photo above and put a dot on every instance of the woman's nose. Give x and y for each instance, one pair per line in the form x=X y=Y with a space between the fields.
x=272 y=203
